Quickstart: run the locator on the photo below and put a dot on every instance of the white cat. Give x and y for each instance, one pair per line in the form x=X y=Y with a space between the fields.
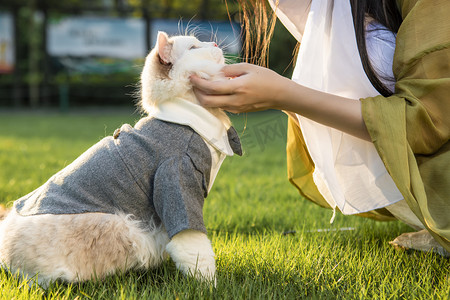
x=133 y=198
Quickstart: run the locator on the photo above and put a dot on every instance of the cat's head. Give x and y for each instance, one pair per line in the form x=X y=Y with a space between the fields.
x=170 y=64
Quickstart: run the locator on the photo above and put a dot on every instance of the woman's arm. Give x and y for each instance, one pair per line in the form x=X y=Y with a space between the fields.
x=254 y=88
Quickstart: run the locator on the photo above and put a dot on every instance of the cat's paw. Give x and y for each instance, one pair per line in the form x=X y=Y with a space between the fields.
x=193 y=255
x=202 y=269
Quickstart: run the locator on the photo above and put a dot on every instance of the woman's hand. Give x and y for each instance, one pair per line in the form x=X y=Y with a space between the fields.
x=253 y=88
x=248 y=88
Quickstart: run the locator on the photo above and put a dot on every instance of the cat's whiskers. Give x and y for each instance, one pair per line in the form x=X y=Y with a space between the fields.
x=230 y=45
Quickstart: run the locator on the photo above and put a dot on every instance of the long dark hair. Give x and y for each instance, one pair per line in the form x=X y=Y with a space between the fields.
x=259 y=20
x=387 y=14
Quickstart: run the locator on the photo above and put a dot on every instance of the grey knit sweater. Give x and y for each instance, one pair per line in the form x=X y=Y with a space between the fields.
x=155 y=171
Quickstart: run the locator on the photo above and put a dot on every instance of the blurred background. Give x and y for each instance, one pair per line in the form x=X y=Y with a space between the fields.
x=79 y=53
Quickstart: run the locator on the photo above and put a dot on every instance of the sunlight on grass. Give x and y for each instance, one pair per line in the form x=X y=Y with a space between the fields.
x=269 y=243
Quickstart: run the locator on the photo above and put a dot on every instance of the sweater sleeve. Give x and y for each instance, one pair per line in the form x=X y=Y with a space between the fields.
x=411 y=129
x=178 y=195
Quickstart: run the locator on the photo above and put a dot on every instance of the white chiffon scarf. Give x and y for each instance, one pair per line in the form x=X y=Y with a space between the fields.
x=348 y=171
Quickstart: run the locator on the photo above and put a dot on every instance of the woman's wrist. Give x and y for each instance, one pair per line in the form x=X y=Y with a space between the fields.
x=285 y=92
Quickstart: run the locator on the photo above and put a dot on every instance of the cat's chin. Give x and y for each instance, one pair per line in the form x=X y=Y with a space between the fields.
x=221 y=60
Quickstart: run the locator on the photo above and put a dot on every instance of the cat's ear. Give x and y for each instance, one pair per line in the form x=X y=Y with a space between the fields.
x=164 y=47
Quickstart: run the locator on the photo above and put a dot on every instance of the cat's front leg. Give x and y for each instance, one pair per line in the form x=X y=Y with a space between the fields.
x=192 y=253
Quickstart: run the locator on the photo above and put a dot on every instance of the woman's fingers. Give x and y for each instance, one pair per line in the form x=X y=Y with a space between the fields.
x=221 y=87
x=214 y=87
x=208 y=100
x=232 y=103
x=207 y=86
x=235 y=70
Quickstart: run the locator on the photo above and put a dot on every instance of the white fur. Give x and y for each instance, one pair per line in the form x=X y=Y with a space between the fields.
x=78 y=247
x=193 y=254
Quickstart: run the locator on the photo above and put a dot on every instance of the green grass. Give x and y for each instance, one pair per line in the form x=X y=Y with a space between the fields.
x=249 y=208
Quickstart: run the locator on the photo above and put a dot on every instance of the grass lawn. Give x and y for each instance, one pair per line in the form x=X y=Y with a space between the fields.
x=249 y=208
